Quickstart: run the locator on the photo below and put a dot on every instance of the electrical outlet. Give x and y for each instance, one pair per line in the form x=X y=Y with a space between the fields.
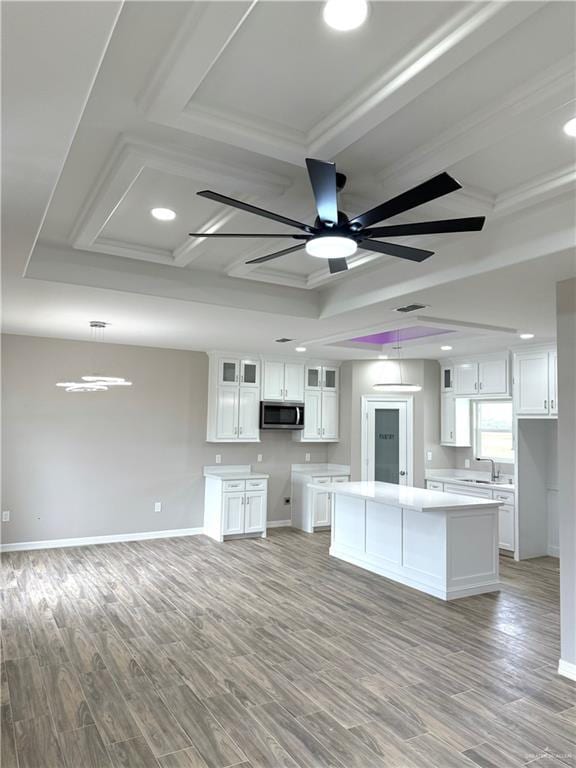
x=6 y=516
x=287 y=501
x=307 y=457
x=467 y=463
x=428 y=455
x=259 y=458
x=157 y=506
x=218 y=458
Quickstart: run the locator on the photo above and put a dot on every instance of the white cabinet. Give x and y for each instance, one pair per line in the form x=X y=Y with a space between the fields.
x=233 y=400
x=283 y=381
x=312 y=415
x=466 y=378
x=447 y=378
x=321 y=377
x=234 y=504
x=329 y=415
x=320 y=503
x=535 y=388
x=329 y=378
x=311 y=507
x=455 y=420
x=321 y=405
x=493 y=377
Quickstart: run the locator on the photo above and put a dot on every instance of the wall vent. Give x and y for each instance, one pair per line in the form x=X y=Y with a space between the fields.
x=410 y=308
x=283 y=340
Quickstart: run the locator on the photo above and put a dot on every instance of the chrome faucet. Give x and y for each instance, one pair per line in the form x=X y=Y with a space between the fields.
x=495 y=475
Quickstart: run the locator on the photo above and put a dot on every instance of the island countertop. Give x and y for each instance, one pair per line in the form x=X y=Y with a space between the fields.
x=406 y=497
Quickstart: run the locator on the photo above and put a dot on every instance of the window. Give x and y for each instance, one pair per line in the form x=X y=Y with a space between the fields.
x=493 y=433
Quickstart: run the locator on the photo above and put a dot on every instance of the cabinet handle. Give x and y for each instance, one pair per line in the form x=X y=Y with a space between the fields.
x=480 y=385
x=319 y=432
x=323 y=430
x=545 y=404
x=242 y=379
x=552 y=404
x=451 y=435
x=475 y=385
x=240 y=430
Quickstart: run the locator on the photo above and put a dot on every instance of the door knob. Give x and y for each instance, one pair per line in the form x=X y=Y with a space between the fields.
x=402 y=473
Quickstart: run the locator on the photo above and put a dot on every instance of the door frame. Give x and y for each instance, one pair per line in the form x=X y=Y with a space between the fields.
x=409 y=401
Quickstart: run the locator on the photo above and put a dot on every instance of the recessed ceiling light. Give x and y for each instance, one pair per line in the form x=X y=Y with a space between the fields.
x=526 y=336
x=382 y=357
x=328 y=247
x=570 y=127
x=300 y=349
x=445 y=348
x=344 y=15
x=163 y=214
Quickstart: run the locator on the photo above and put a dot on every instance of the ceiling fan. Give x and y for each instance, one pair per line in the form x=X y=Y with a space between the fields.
x=334 y=236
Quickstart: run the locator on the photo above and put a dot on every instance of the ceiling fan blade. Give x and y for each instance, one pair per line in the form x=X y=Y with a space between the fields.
x=470 y=224
x=393 y=249
x=337 y=265
x=254 y=209
x=323 y=181
x=243 y=234
x=276 y=255
x=438 y=186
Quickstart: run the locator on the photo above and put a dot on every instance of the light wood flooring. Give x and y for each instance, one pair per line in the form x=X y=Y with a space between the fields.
x=185 y=653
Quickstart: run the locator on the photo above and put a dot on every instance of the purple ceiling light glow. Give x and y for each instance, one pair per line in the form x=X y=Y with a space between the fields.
x=401 y=334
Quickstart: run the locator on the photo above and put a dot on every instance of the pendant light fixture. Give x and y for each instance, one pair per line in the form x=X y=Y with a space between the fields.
x=398 y=386
x=95 y=382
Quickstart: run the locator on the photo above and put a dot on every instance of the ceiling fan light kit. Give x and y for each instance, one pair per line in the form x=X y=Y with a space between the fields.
x=335 y=237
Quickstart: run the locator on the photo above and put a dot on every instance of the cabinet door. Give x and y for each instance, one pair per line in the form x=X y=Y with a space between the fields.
x=273 y=380
x=294 y=382
x=493 y=377
x=553 y=382
x=249 y=373
x=321 y=508
x=313 y=377
x=447 y=380
x=329 y=378
x=232 y=513
x=312 y=415
x=329 y=415
x=531 y=383
x=228 y=372
x=248 y=414
x=255 y=512
x=227 y=413
x=448 y=420
x=506 y=527
x=466 y=378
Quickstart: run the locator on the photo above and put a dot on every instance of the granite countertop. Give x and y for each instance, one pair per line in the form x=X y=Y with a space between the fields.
x=458 y=477
x=419 y=499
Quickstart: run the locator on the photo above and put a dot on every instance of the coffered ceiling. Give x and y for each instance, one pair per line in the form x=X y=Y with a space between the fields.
x=232 y=96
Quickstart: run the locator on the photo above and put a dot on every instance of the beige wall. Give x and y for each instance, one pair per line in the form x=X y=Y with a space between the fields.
x=357 y=379
x=566 y=340
x=79 y=465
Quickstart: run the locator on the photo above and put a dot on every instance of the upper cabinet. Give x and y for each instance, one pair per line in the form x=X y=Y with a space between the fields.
x=321 y=377
x=283 y=381
x=233 y=400
x=232 y=372
x=482 y=377
x=535 y=378
x=321 y=405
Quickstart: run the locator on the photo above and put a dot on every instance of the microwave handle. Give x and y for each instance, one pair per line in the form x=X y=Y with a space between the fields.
x=297 y=415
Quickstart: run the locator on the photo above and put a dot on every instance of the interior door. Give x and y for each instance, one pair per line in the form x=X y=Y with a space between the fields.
x=386 y=448
x=233 y=513
x=273 y=380
x=248 y=413
x=294 y=382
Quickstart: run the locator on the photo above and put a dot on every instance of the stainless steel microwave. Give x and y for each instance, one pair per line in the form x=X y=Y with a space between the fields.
x=274 y=415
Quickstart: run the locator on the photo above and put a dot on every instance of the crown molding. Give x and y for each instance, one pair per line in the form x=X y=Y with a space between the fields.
x=559 y=182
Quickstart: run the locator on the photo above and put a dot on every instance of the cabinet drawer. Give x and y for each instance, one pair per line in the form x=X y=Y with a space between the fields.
x=505 y=496
x=340 y=479
x=256 y=485
x=322 y=480
x=483 y=493
x=434 y=485
x=233 y=485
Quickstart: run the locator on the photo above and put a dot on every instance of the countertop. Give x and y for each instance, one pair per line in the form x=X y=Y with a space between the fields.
x=321 y=469
x=457 y=477
x=419 y=499
x=234 y=472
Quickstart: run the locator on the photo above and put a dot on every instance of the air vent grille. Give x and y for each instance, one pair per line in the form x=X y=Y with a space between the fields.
x=283 y=340
x=410 y=308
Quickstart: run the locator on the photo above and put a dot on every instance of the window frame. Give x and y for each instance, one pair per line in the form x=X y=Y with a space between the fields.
x=477 y=432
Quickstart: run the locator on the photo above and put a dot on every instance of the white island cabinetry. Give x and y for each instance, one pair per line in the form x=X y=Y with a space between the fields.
x=235 y=502
x=442 y=544
x=311 y=508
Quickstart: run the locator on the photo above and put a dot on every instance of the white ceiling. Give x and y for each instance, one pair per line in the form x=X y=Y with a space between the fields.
x=109 y=111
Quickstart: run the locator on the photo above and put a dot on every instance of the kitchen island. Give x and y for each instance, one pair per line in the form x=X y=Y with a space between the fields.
x=443 y=544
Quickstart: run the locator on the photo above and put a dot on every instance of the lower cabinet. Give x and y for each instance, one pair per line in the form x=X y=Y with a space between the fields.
x=235 y=507
x=320 y=503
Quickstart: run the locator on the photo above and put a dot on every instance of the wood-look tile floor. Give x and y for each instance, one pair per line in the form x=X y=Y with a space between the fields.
x=186 y=653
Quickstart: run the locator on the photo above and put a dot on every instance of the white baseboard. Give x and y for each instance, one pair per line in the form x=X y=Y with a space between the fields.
x=22 y=546
x=278 y=523
x=553 y=551
x=567 y=669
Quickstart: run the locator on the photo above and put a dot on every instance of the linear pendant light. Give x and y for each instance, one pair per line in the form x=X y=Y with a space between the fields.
x=397 y=386
x=94 y=382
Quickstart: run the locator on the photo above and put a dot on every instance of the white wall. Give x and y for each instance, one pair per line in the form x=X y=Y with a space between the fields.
x=566 y=343
x=93 y=464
